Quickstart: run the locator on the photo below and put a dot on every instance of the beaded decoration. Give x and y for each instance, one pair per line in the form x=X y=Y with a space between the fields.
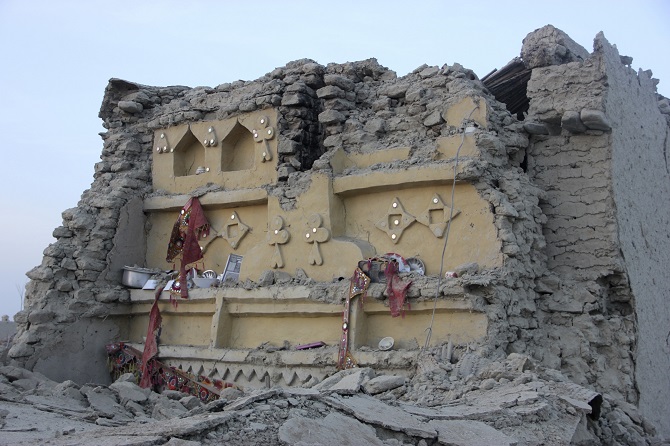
x=358 y=285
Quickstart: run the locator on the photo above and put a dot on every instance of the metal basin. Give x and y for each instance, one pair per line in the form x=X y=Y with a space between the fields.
x=135 y=277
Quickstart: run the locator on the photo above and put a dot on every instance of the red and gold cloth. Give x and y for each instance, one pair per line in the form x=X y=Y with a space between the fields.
x=190 y=226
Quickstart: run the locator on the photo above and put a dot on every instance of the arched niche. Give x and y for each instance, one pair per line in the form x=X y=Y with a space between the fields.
x=189 y=154
x=237 y=149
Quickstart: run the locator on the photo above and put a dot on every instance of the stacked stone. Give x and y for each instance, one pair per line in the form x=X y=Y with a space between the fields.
x=301 y=144
x=73 y=280
x=366 y=107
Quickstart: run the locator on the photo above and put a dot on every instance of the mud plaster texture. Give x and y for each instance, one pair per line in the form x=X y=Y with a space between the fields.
x=577 y=190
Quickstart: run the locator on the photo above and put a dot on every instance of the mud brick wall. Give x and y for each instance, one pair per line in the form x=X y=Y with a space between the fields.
x=577 y=192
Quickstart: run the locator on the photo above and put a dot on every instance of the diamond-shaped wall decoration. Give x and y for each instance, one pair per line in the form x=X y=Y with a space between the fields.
x=436 y=216
x=395 y=221
x=234 y=230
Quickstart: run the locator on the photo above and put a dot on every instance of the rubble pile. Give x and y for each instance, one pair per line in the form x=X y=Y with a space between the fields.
x=473 y=401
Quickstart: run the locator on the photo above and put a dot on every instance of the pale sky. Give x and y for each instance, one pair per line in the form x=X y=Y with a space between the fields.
x=57 y=56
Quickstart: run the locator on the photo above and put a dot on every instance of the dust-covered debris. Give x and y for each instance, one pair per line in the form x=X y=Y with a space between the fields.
x=512 y=401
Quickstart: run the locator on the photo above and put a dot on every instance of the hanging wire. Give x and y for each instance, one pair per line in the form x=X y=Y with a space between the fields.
x=446 y=235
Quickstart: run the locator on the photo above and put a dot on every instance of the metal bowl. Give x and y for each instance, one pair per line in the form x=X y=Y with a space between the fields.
x=135 y=277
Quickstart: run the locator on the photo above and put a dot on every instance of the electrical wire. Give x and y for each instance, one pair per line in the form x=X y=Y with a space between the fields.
x=446 y=235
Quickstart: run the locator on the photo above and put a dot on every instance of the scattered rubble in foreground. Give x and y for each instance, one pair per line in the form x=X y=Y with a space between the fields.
x=472 y=402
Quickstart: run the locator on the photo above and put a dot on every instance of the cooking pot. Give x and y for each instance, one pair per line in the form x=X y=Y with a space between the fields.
x=136 y=277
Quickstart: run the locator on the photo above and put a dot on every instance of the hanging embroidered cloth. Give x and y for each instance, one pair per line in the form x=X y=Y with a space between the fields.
x=190 y=226
x=396 y=290
x=151 y=344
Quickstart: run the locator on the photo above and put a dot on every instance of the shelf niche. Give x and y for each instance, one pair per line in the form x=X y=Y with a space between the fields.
x=237 y=150
x=189 y=154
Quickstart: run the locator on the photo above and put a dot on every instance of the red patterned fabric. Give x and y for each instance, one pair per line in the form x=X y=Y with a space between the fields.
x=151 y=344
x=187 y=230
x=396 y=290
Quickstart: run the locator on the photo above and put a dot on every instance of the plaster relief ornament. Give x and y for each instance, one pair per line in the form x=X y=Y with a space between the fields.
x=395 y=221
x=191 y=225
x=277 y=235
x=437 y=216
x=211 y=140
x=316 y=234
x=262 y=134
x=232 y=231
x=162 y=146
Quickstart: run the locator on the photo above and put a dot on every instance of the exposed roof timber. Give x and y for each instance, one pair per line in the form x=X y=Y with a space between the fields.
x=509 y=84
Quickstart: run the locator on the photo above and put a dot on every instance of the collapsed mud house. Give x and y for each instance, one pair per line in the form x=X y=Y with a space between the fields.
x=549 y=180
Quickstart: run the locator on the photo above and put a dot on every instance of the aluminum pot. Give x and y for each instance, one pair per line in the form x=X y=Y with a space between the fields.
x=135 y=277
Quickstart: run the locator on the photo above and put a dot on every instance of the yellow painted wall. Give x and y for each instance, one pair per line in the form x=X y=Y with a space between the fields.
x=218 y=249
x=242 y=155
x=472 y=235
x=252 y=331
x=410 y=332
x=350 y=208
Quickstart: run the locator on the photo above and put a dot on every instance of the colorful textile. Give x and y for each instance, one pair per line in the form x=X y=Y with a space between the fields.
x=358 y=285
x=190 y=226
x=385 y=269
x=396 y=290
x=151 y=344
x=122 y=358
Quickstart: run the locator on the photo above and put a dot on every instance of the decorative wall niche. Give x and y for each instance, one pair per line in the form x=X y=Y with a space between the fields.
x=189 y=155
x=236 y=153
x=237 y=149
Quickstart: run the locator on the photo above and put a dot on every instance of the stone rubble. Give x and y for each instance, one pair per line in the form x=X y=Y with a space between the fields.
x=509 y=402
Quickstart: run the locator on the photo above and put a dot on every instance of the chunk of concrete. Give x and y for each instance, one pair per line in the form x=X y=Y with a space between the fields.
x=329 y=117
x=166 y=409
x=469 y=433
x=258 y=396
x=333 y=430
x=334 y=379
x=330 y=92
x=129 y=391
x=179 y=442
x=190 y=402
x=231 y=393
x=351 y=384
x=105 y=405
x=536 y=128
x=383 y=383
x=373 y=411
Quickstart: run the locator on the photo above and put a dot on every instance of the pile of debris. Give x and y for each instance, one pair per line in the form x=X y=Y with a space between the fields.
x=472 y=402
